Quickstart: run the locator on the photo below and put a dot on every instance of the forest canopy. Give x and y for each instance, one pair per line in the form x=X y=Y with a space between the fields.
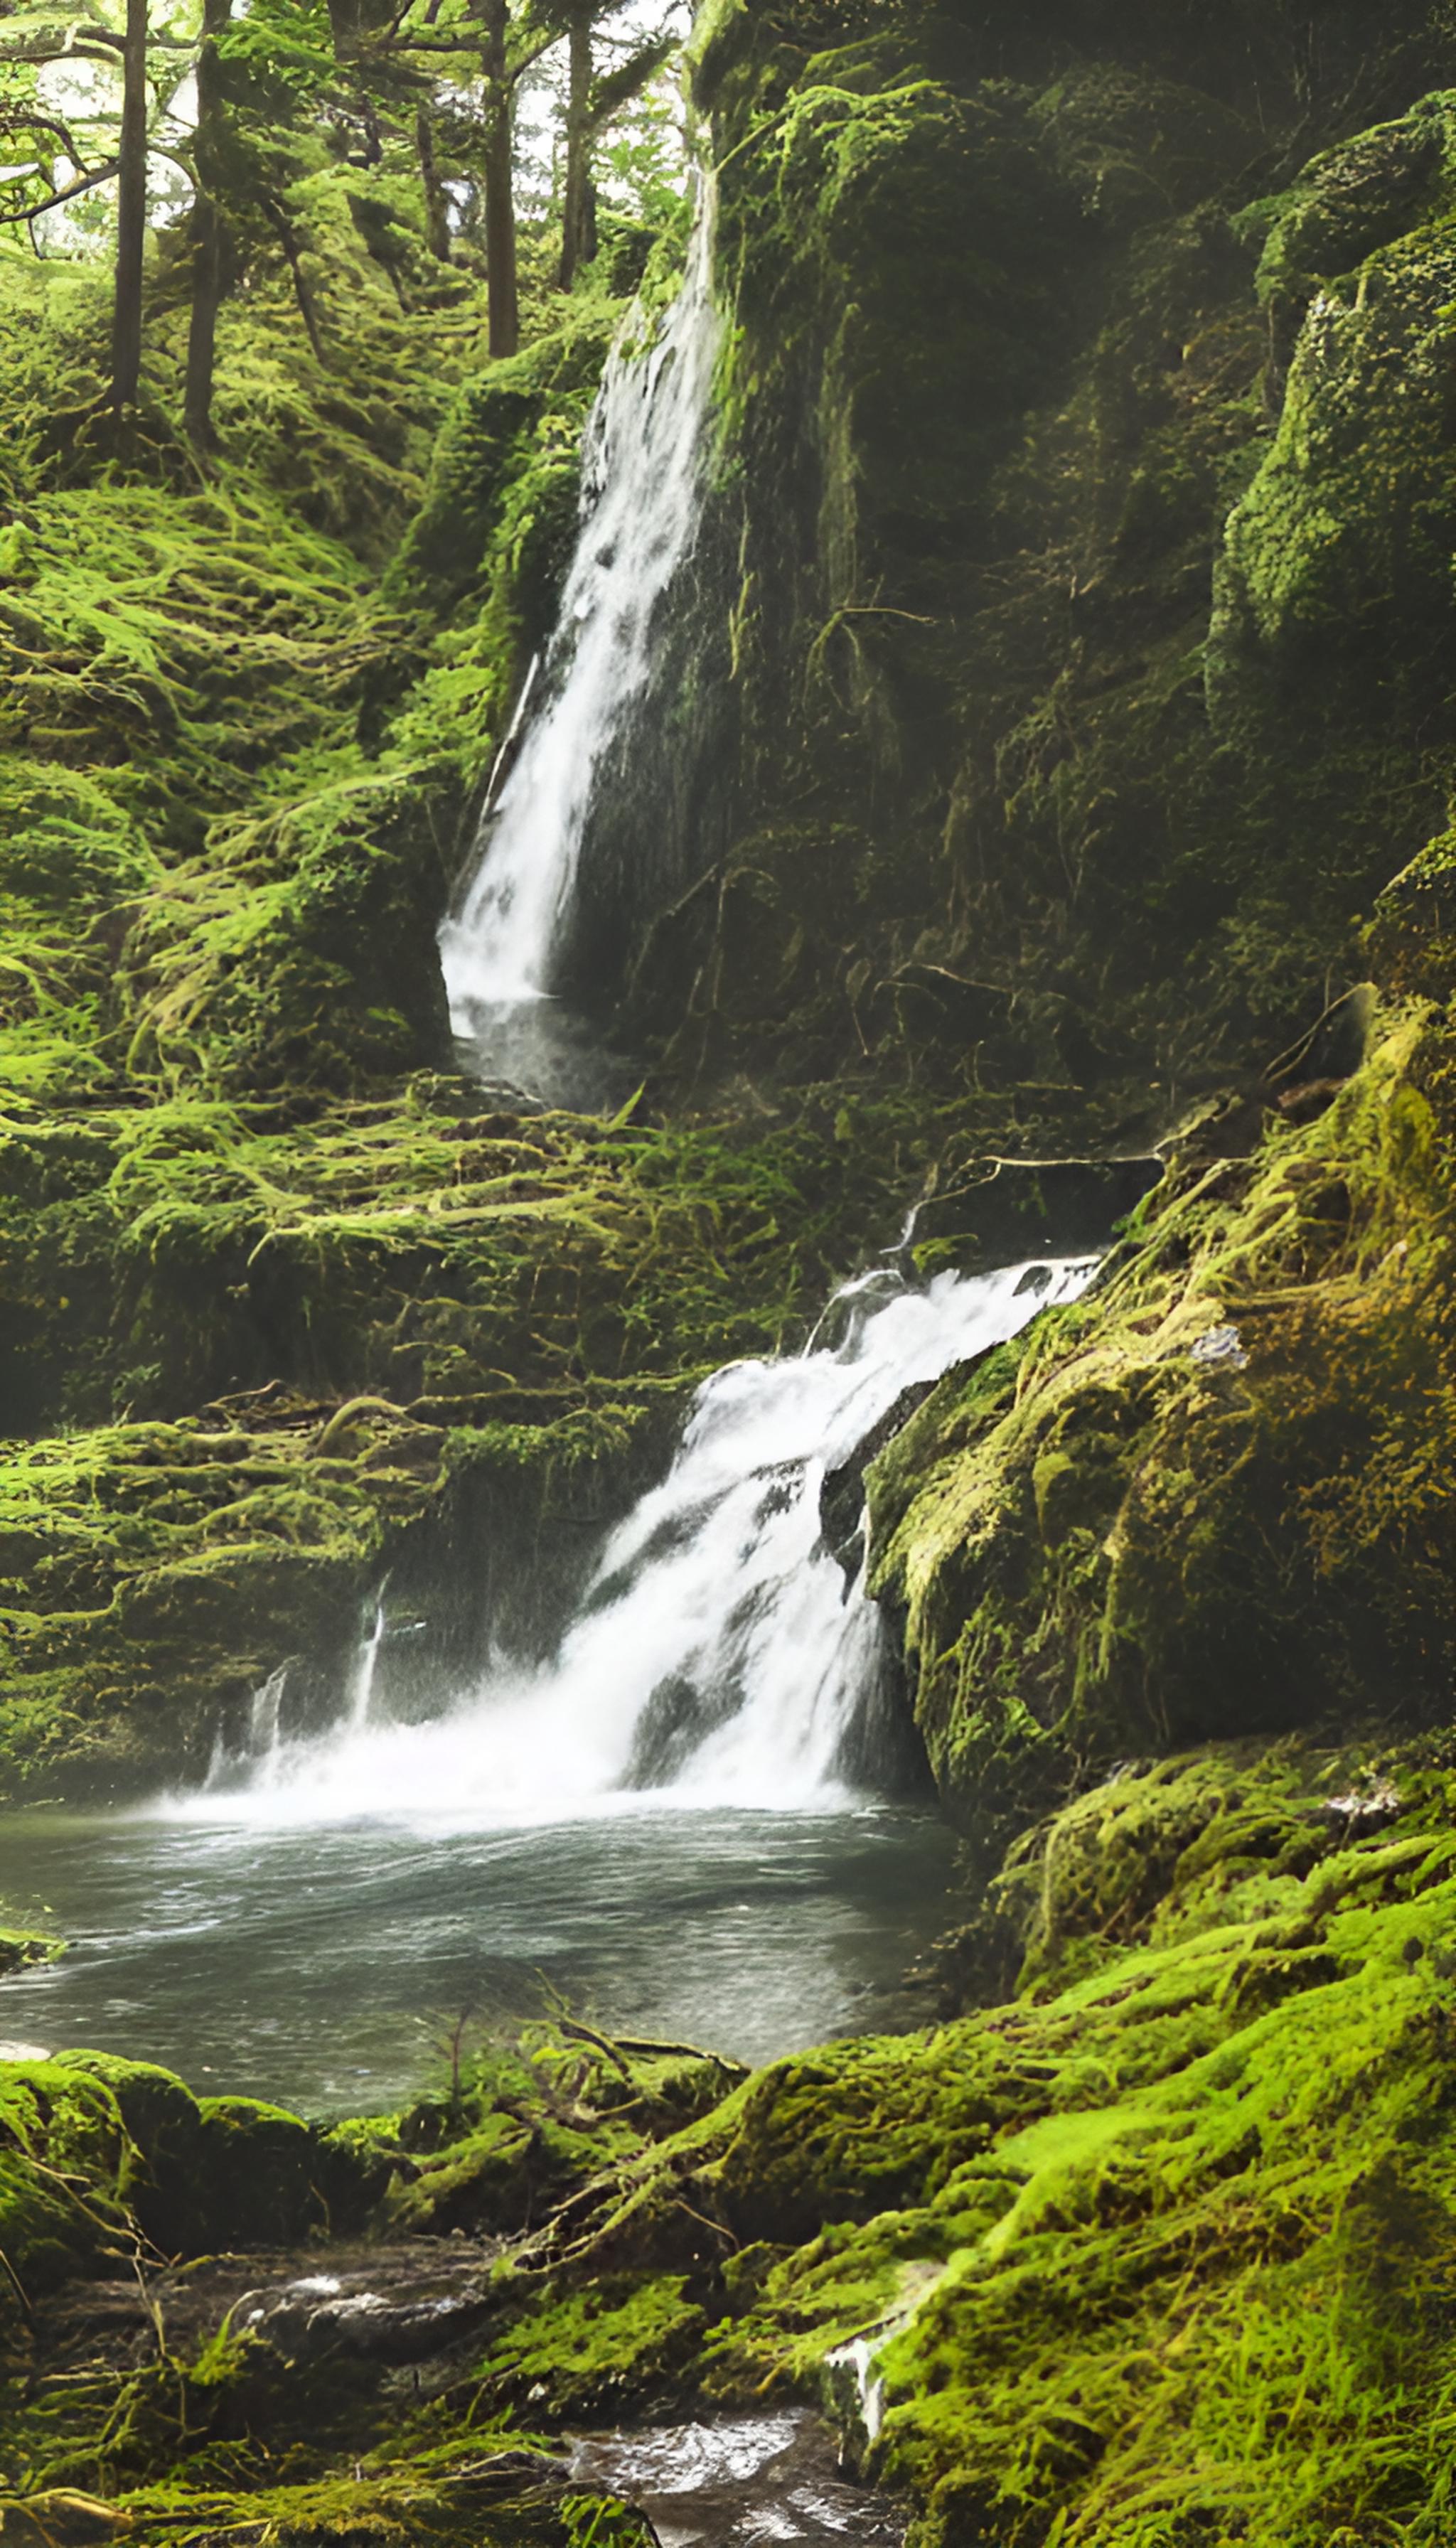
x=189 y=128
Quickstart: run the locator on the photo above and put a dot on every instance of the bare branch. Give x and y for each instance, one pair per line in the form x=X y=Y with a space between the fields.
x=35 y=55
x=66 y=195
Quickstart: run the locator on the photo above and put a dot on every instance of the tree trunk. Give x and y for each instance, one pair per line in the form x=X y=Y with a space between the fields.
x=126 y=331
x=501 y=274
x=201 y=332
x=436 y=205
x=579 y=210
x=288 y=240
x=207 y=233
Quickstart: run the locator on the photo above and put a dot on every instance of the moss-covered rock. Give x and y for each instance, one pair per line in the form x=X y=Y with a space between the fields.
x=22 y=1946
x=1160 y=2247
x=1336 y=560
x=1162 y=2243
x=1207 y=1499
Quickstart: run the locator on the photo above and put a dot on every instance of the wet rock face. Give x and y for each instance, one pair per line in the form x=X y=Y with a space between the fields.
x=1023 y=1207
x=994 y=469
x=393 y=2306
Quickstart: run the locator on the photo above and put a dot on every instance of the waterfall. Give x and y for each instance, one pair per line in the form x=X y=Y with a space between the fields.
x=640 y=505
x=366 y=1665
x=265 y=1732
x=719 y=1657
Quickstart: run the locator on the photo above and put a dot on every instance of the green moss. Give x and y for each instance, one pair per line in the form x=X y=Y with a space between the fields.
x=593 y=2352
x=66 y=2165
x=1339 y=548
x=1163 y=2245
x=1108 y=1541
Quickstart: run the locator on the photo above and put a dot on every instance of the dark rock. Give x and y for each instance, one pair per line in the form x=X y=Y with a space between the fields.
x=842 y=1495
x=1033 y=1208
x=389 y=2312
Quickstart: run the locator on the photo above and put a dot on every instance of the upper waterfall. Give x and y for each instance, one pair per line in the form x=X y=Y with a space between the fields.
x=641 y=485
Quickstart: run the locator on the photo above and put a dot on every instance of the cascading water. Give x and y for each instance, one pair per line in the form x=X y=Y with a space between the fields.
x=663 y=1821
x=361 y=1692
x=640 y=506
x=719 y=1657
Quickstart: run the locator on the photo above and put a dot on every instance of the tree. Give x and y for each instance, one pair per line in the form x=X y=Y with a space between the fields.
x=126 y=330
x=264 y=77
x=282 y=86
x=33 y=39
x=432 y=186
x=208 y=229
x=579 y=198
x=509 y=38
x=592 y=100
x=504 y=66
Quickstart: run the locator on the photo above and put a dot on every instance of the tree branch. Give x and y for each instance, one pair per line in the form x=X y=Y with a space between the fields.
x=35 y=55
x=617 y=88
x=66 y=195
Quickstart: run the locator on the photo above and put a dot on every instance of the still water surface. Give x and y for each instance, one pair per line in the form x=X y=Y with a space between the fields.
x=321 y=1965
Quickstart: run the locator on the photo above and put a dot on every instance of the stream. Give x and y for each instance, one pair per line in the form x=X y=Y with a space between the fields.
x=322 y=1966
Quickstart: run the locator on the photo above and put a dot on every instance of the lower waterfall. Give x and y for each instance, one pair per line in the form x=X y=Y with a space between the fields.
x=675 y=1821
x=720 y=1658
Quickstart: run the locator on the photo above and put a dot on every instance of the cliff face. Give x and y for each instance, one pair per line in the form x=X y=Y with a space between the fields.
x=1080 y=533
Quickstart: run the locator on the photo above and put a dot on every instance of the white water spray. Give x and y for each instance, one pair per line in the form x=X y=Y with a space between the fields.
x=640 y=505
x=718 y=1658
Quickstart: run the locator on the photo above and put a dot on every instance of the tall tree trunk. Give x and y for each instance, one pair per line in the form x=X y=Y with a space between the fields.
x=579 y=210
x=201 y=332
x=436 y=206
x=126 y=330
x=501 y=274
x=207 y=233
